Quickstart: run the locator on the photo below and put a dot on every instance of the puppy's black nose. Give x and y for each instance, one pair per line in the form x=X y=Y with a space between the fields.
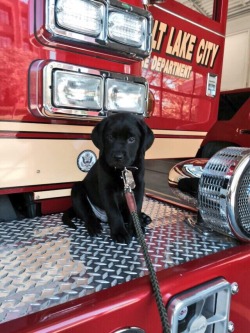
x=118 y=157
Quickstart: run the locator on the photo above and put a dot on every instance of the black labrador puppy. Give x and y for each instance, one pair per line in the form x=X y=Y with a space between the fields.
x=122 y=140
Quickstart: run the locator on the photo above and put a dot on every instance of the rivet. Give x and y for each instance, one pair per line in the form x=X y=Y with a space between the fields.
x=234 y=288
x=230 y=326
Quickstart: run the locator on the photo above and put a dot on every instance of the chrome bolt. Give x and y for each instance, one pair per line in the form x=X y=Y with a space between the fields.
x=234 y=288
x=230 y=326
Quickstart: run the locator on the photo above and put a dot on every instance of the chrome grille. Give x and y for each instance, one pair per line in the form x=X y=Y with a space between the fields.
x=224 y=189
x=243 y=203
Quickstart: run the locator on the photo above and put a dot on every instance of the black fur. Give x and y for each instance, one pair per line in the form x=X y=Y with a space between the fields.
x=122 y=140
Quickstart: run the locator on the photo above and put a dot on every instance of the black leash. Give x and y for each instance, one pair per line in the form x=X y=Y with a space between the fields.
x=129 y=185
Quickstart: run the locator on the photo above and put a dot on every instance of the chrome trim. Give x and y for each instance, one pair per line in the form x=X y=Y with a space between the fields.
x=245 y=131
x=130 y=330
x=189 y=170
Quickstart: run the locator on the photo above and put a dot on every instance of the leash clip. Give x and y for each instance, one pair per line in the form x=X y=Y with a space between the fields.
x=128 y=180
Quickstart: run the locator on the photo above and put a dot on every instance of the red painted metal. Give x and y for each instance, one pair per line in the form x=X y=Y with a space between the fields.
x=40 y=187
x=54 y=205
x=181 y=102
x=236 y=130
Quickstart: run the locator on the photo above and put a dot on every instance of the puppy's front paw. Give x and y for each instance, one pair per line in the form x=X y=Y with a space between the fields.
x=94 y=227
x=145 y=219
x=120 y=235
x=68 y=222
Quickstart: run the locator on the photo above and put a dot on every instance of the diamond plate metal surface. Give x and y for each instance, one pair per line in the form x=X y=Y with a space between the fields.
x=44 y=263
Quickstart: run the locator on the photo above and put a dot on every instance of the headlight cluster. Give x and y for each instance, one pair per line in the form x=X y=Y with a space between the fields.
x=111 y=25
x=64 y=90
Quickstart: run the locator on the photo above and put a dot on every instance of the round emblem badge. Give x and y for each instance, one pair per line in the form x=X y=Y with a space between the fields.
x=86 y=160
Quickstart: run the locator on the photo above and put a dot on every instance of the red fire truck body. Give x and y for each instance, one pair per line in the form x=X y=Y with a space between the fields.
x=232 y=126
x=187 y=54
x=61 y=73
x=186 y=58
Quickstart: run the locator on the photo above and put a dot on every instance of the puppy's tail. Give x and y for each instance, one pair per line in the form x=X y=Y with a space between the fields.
x=67 y=218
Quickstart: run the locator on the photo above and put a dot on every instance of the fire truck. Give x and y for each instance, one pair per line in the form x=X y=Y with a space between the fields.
x=66 y=65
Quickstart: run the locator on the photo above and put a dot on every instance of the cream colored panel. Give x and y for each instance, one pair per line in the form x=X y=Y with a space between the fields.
x=174 y=132
x=173 y=148
x=27 y=162
x=36 y=161
x=50 y=128
x=52 y=194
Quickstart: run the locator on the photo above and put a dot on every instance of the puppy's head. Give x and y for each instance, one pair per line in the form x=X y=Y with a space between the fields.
x=122 y=139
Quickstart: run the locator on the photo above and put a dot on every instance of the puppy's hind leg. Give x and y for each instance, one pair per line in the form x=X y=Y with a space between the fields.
x=83 y=209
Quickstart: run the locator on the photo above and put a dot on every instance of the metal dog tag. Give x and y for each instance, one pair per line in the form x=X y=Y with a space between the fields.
x=128 y=179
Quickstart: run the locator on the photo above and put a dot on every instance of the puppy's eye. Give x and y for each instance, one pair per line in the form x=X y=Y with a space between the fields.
x=131 y=139
x=110 y=137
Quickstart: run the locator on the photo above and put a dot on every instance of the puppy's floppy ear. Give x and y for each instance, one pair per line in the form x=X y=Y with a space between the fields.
x=97 y=132
x=147 y=135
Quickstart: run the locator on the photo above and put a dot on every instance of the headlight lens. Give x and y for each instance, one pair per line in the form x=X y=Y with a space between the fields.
x=77 y=90
x=127 y=28
x=81 y=16
x=125 y=96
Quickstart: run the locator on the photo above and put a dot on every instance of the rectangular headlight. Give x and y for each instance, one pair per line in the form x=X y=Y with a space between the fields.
x=76 y=90
x=81 y=16
x=103 y=26
x=125 y=96
x=128 y=29
x=66 y=91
